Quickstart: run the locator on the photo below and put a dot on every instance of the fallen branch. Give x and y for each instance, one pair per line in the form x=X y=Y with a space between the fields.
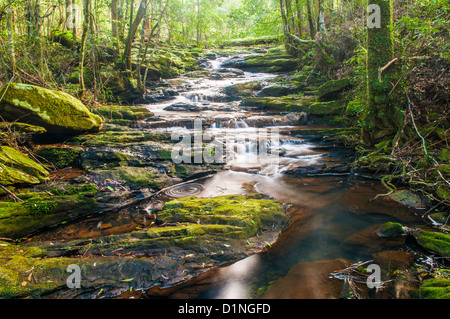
x=384 y=68
x=11 y=193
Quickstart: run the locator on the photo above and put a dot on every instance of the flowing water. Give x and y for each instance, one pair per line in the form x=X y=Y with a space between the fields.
x=333 y=217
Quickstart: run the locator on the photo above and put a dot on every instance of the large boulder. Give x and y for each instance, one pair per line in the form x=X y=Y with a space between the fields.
x=58 y=112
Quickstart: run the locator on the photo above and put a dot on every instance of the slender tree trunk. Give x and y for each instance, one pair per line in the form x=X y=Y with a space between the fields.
x=299 y=18
x=132 y=33
x=381 y=117
x=284 y=18
x=86 y=22
x=74 y=24
x=115 y=25
x=321 y=21
x=10 y=26
x=312 y=28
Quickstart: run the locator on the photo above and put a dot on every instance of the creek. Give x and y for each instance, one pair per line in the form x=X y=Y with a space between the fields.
x=333 y=216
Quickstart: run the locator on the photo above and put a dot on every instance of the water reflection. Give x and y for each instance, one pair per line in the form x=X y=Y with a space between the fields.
x=237 y=278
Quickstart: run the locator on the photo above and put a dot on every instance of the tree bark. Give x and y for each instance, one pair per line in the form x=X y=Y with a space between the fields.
x=115 y=25
x=321 y=21
x=381 y=117
x=312 y=28
x=86 y=22
x=299 y=18
x=132 y=33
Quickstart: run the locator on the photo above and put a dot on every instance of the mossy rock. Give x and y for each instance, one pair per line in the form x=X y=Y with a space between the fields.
x=134 y=177
x=17 y=168
x=65 y=38
x=390 y=229
x=408 y=198
x=119 y=112
x=23 y=271
x=291 y=103
x=23 y=128
x=271 y=62
x=435 y=288
x=61 y=157
x=275 y=90
x=331 y=89
x=438 y=243
x=251 y=214
x=326 y=108
x=242 y=89
x=58 y=112
x=42 y=210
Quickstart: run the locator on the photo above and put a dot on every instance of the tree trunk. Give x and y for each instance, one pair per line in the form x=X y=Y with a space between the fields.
x=132 y=33
x=321 y=21
x=284 y=18
x=312 y=28
x=86 y=22
x=299 y=18
x=12 y=49
x=381 y=118
x=74 y=24
x=115 y=25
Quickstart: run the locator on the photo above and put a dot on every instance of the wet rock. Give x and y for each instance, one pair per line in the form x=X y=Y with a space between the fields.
x=391 y=229
x=408 y=198
x=368 y=241
x=233 y=71
x=434 y=242
x=242 y=89
x=196 y=235
x=183 y=107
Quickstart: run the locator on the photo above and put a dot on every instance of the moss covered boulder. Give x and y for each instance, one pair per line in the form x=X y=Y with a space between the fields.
x=434 y=242
x=331 y=89
x=58 y=112
x=241 y=216
x=17 y=168
x=390 y=229
x=435 y=288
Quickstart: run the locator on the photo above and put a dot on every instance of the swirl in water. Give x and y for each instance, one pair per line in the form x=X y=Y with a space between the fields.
x=185 y=190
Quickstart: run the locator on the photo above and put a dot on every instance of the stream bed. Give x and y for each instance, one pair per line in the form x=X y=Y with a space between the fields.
x=334 y=214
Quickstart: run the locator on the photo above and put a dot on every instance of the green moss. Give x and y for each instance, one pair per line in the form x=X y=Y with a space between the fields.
x=390 y=229
x=326 y=108
x=250 y=213
x=24 y=271
x=61 y=157
x=135 y=177
x=436 y=242
x=331 y=89
x=41 y=210
x=17 y=168
x=272 y=62
x=435 y=288
x=57 y=112
x=291 y=103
